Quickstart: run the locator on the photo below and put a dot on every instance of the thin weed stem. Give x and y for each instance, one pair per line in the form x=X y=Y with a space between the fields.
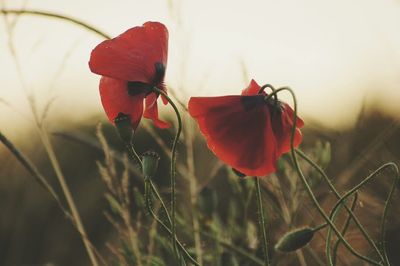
x=67 y=193
x=261 y=221
x=57 y=16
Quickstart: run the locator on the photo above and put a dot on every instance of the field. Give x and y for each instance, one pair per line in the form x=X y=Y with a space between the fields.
x=213 y=180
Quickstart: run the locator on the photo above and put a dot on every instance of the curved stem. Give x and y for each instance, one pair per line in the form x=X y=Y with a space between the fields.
x=338 y=196
x=261 y=220
x=329 y=234
x=344 y=230
x=57 y=16
x=135 y=156
x=155 y=217
x=173 y=164
x=384 y=215
x=154 y=190
x=364 y=182
x=307 y=186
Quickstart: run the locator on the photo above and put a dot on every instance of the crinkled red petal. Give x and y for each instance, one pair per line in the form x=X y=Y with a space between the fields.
x=115 y=99
x=132 y=55
x=240 y=137
x=151 y=111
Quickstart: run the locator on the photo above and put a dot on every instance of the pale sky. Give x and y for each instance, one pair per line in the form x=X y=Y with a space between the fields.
x=334 y=54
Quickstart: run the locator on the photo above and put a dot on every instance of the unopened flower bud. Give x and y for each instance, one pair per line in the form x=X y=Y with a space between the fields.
x=150 y=163
x=124 y=127
x=294 y=240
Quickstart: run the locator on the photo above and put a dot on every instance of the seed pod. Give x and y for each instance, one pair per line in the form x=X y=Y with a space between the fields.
x=150 y=163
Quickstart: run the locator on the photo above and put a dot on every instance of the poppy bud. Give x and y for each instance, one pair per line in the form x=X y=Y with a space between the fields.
x=150 y=163
x=295 y=239
x=124 y=127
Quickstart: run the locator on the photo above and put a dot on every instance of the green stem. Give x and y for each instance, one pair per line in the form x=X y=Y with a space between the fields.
x=133 y=154
x=154 y=190
x=150 y=210
x=320 y=227
x=261 y=220
x=57 y=16
x=364 y=182
x=344 y=229
x=338 y=196
x=173 y=165
x=329 y=234
x=158 y=196
x=307 y=186
x=384 y=215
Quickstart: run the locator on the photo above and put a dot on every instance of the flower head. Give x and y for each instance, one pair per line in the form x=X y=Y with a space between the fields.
x=246 y=131
x=131 y=65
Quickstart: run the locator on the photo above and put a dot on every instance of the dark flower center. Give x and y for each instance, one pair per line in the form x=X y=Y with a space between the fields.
x=137 y=87
x=250 y=102
x=274 y=106
x=160 y=73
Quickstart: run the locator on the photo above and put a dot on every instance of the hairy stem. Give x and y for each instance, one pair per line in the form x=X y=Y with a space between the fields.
x=261 y=221
x=155 y=217
x=173 y=166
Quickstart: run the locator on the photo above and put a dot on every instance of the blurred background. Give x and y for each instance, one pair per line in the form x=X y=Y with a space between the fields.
x=342 y=58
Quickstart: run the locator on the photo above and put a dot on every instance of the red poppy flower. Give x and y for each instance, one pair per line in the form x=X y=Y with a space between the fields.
x=246 y=131
x=131 y=65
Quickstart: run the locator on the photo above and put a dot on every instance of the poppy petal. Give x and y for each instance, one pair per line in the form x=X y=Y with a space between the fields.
x=132 y=55
x=289 y=111
x=282 y=125
x=240 y=136
x=115 y=99
x=252 y=89
x=151 y=111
